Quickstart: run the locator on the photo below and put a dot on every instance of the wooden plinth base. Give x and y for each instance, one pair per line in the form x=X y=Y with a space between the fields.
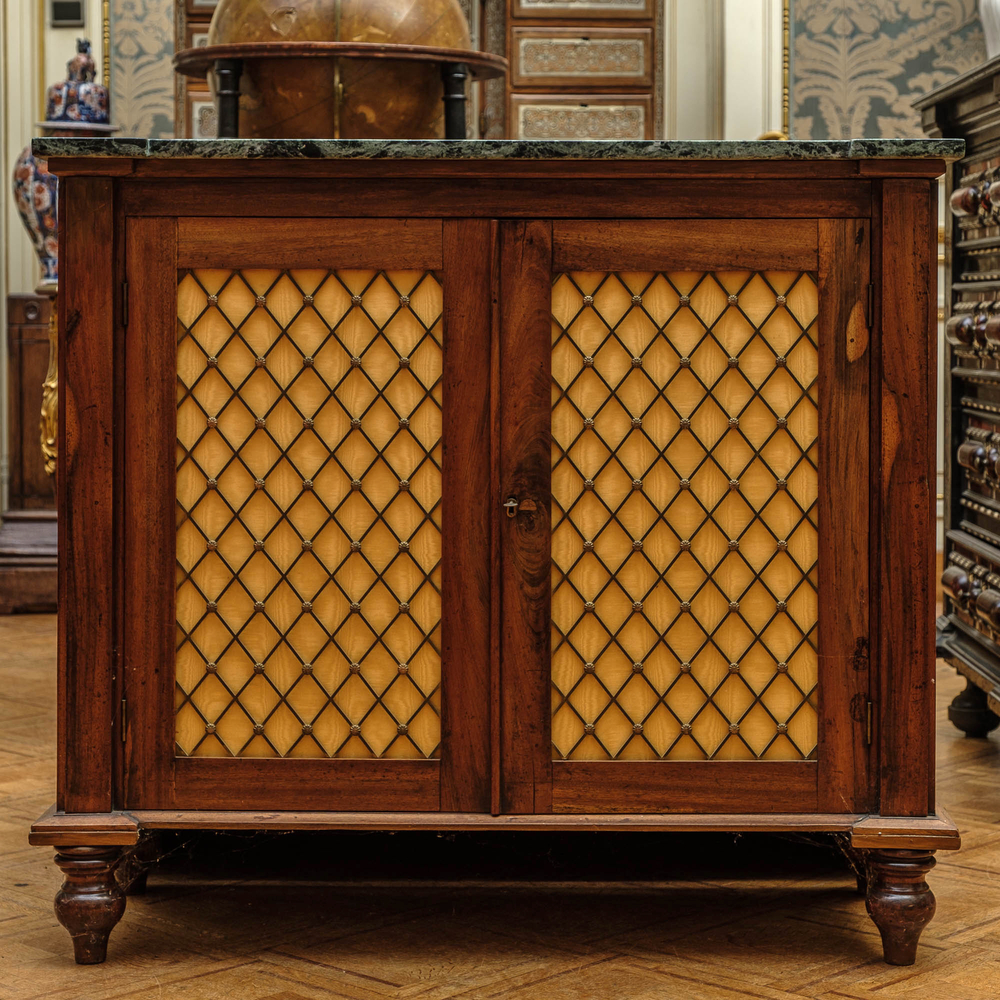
x=893 y=853
x=28 y=561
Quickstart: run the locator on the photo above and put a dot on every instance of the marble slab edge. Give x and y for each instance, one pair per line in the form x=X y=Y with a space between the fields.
x=500 y=149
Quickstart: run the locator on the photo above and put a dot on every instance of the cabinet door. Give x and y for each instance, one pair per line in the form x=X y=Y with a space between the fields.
x=685 y=427
x=306 y=514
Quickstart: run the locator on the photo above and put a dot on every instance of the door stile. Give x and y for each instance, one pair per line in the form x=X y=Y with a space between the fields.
x=466 y=517
x=843 y=514
x=525 y=456
x=148 y=511
x=496 y=528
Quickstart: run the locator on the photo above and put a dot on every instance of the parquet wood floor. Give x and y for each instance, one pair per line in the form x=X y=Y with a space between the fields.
x=366 y=917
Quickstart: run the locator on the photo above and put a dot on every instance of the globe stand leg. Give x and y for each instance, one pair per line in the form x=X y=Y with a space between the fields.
x=227 y=82
x=454 y=76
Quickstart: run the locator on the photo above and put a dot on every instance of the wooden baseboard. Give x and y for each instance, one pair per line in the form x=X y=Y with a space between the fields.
x=27 y=589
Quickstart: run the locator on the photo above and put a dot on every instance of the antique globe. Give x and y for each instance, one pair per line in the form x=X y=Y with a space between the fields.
x=370 y=95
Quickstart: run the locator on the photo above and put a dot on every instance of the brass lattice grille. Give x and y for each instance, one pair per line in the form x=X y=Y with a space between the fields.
x=684 y=537
x=308 y=513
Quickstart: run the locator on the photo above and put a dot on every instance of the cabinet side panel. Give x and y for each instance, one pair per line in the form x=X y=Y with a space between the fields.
x=906 y=637
x=526 y=265
x=86 y=500
x=149 y=421
x=845 y=255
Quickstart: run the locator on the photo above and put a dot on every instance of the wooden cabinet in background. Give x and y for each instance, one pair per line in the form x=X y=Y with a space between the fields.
x=583 y=70
x=28 y=526
x=29 y=488
x=969 y=629
x=472 y=489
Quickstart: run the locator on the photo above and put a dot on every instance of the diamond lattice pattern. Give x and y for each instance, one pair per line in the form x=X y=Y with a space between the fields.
x=308 y=513
x=684 y=539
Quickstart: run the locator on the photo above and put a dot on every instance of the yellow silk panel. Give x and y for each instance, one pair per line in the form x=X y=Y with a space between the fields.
x=308 y=513
x=684 y=543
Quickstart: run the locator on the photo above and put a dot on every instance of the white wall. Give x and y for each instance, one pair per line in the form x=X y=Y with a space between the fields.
x=752 y=92
x=693 y=69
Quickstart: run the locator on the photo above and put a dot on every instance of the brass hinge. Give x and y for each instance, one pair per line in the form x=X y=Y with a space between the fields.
x=868 y=724
x=123 y=720
x=124 y=303
x=871 y=304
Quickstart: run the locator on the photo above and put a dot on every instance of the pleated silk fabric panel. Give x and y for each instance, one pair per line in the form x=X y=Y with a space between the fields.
x=684 y=546
x=308 y=513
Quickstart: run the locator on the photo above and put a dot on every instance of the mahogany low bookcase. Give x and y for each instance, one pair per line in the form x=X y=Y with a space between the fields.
x=496 y=486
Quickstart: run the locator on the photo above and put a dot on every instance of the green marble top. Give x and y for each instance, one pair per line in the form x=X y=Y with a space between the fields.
x=502 y=149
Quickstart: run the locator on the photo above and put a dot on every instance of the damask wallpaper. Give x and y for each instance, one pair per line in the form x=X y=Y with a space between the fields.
x=142 y=77
x=858 y=64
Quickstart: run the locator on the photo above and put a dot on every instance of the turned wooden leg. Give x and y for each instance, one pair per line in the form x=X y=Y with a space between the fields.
x=900 y=900
x=90 y=902
x=970 y=712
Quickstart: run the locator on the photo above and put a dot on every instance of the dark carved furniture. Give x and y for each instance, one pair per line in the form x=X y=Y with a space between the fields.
x=969 y=629
x=495 y=486
x=28 y=526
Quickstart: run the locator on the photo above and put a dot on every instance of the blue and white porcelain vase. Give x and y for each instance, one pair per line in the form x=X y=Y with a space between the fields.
x=76 y=106
x=35 y=193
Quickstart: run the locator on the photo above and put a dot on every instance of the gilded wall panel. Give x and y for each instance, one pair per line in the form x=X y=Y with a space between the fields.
x=857 y=65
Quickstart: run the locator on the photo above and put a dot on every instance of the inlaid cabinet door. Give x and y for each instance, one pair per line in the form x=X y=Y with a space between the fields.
x=306 y=522
x=684 y=435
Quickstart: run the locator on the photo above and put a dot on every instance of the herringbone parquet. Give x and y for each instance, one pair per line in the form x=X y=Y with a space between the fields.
x=365 y=917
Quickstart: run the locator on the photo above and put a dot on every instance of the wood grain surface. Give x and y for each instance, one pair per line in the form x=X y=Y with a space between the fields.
x=525 y=407
x=684 y=244
x=467 y=508
x=85 y=490
x=842 y=514
x=906 y=491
